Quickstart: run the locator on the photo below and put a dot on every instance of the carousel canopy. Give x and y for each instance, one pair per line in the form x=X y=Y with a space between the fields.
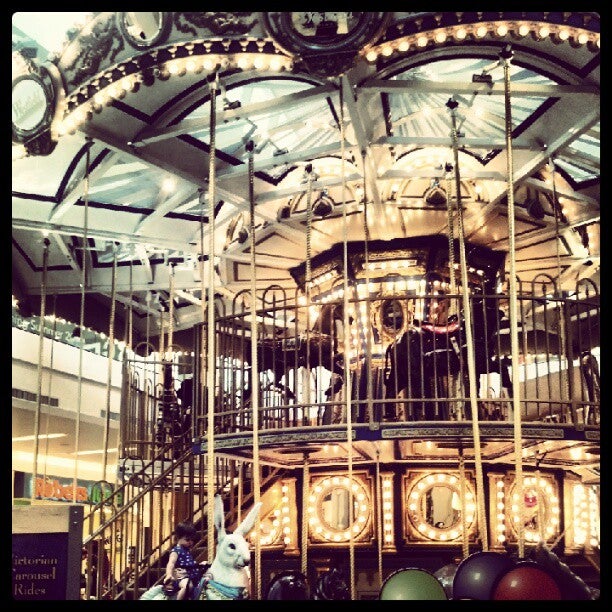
x=332 y=127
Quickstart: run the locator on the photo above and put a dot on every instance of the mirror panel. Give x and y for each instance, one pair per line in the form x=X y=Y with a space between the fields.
x=329 y=509
x=433 y=507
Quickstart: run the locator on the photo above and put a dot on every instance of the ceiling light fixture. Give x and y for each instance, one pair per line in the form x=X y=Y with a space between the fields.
x=98 y=451
x=40 y=437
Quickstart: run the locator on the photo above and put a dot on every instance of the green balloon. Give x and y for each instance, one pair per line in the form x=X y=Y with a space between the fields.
x=412 y=583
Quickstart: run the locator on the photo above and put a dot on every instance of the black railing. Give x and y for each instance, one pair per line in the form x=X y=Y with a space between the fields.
x=401 y=367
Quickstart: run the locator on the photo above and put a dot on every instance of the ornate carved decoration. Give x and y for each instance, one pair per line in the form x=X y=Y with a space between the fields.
x=104 y=42
x=218 y=23
x=326 y=42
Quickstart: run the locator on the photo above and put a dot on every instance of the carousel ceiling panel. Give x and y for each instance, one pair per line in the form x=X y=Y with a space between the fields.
x=44 y=178
x=543 y=250
x=492 y=230
x=326 y=454
x=433 y=450
x=269 y=117
x=417 y=112
x=144 y=111
x=419 y=220
x=29 y=248
x=276 y=244
x=244 y=273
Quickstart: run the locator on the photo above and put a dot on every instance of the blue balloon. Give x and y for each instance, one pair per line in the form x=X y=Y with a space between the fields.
x=477 y=575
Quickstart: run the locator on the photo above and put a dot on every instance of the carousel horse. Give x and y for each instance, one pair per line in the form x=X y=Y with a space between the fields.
x=429 y=360
x=228 y=576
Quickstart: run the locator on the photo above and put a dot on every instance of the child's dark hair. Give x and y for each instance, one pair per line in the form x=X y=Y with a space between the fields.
x=185 y=530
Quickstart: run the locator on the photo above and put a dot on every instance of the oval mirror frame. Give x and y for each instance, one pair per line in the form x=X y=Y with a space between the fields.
x=144 y=30
x=432 y=507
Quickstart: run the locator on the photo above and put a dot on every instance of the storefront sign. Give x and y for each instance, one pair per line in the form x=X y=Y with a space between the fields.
x=53 y=489
x=61 y=489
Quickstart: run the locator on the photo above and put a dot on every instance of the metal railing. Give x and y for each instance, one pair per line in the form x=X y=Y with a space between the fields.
x=410 y=369
x=130 y=531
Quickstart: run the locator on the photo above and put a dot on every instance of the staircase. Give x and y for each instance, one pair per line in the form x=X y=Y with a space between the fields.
x=135 y=522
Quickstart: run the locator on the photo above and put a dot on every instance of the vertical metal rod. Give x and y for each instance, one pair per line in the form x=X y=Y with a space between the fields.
x=111 y=351
x=77 y=434
x=367 y=328
x=210 y=305
x=307 y=287
x=465 y=540
x=41 y=340
x=347 y=345
x=505 y=56
x=254 y=372
x=467 y=317
x=170 y=347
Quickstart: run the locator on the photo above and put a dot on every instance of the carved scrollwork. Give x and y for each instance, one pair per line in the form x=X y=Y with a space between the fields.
x=102 y=44
x=220 y=24
x=327 y=42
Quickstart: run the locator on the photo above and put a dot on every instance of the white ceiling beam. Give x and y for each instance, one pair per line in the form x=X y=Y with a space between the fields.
x=495 y=89
x=440 y=173
x=576 y=196
x=289 y=192
x=581 y=125
x=471 y=143
x=132 y=303
x=61 y=245
x=120 y=146
x=181 y=196
x=150 y=134
x=363 y=142
x=141 y=251
x=306 y=155
x=70 y=198
x=162 y=242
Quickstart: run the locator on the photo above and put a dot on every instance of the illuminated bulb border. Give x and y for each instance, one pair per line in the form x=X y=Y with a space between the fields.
x=500 y=515
x=388 y=529
x=281 y=533
x=363 y=516
x=585 y=517
x=594 y=518
x=546 y=490
x=415 y=491
x=91 y=97
x=558 y=33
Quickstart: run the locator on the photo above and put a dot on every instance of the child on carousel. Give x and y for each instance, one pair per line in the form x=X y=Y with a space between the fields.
x=182 y=570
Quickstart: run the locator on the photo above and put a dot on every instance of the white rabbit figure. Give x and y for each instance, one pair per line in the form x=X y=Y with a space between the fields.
x=228 y=576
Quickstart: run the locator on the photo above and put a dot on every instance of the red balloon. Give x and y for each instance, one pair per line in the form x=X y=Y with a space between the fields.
x=525 y=581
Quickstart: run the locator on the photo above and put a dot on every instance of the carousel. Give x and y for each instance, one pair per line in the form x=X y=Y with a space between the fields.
x=351 y=265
